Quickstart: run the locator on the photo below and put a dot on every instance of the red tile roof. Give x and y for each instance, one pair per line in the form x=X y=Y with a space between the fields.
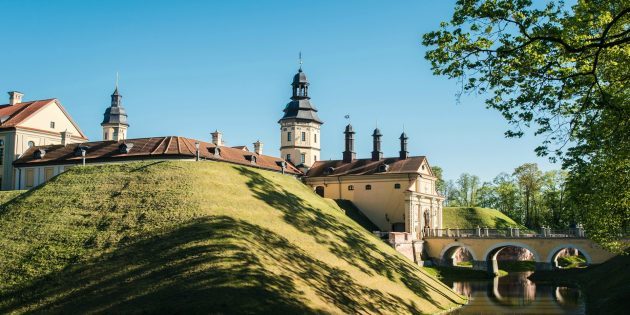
x=13 y=115
x=365 y=167
x=149 y=148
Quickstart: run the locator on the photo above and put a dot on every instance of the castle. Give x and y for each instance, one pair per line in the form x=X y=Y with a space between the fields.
x=39 y=140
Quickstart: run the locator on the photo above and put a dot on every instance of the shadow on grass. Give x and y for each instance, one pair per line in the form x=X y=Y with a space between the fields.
x=356 y=215
x=354 y=247
x=212 y=265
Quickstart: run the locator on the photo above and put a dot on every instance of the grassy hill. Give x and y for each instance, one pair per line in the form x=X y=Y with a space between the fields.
x=201 y=237
x=470 y=218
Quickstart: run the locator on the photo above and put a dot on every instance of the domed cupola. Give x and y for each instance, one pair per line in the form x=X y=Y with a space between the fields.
x=115 y=119
x=115 y=114
x=300 y=106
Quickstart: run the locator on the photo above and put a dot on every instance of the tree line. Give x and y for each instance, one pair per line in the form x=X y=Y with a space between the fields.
x=558 y=69
x=528 y=195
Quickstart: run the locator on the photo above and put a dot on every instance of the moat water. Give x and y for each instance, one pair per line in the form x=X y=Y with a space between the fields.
x=515 y=294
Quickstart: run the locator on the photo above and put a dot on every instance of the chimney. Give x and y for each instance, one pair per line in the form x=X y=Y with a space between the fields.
x=377 y=154
x=348 y=154
x=65 y=137
x=15 y=97
x=404 y=154
x=217 y=138
x=258 y=147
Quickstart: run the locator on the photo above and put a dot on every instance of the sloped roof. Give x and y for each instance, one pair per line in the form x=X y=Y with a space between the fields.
x=366 y=167
x=148 y=148
x=301 y=109
x=12 y=116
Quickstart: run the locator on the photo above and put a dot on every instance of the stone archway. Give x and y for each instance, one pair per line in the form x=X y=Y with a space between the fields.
x=553 y=254
x=491 y=256
x=449 y=251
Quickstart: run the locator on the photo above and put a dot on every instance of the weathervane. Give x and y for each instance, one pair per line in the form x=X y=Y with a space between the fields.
x=116 y=80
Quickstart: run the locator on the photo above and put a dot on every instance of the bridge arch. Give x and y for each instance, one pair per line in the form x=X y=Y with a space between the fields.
x=491 y=254
x=553 y=253
x=495 y=248
x=447 y=253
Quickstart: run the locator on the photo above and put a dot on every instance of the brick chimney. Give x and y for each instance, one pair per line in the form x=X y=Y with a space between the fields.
x=217 y=138
x=258 y=147
x=15 y=97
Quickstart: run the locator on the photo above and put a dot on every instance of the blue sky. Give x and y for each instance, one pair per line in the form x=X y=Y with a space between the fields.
x=190 y=67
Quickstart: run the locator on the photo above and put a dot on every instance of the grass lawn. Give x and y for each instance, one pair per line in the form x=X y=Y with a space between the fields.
x=470 y=218
x=197 y=237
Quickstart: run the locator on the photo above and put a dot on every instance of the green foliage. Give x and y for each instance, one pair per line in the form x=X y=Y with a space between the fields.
x=470 y=218
x=572 y=262
x=197 y=237
x=562 y=71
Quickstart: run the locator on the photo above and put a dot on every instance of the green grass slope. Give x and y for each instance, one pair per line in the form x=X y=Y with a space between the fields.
x=205 y=237
x=470 y=218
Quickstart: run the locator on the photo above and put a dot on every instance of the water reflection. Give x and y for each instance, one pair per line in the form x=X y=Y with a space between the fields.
x=515 y=293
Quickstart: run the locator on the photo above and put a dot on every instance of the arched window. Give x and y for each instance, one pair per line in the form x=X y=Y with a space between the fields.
x=368 y=187
x=31 y=144
x=350 y=187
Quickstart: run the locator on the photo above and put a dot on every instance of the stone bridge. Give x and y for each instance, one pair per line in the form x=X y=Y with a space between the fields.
x=484 y=245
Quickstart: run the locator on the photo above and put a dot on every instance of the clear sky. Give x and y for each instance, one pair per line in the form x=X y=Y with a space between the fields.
x=190 y=67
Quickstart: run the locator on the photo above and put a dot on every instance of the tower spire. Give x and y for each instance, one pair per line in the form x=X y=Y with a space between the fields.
x=300 y=60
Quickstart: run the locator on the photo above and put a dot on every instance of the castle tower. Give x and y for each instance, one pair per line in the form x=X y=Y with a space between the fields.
x=300 y=126
x=115 y=119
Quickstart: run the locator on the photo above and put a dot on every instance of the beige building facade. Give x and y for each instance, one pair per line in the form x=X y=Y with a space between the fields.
x=28 y=124
x=397 y=194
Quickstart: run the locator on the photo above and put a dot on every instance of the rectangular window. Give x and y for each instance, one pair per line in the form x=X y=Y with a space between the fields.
x=48 y=173
x=314 y=158
x=30 y=178
x=52 y=125
x=303 y=158
x=303 y=136
x=315 y=138
x=1 y=155
x=288 y=157
x=289 y=136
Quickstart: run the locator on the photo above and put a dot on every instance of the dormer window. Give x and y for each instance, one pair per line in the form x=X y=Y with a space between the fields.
x=39 y=153
x=329 y=170
x=216 y=151
x=251 y=158
x=78 y=151
x=124 y=148
x=383 y=168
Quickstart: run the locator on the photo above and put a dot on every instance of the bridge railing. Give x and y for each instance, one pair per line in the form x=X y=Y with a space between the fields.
x=503 y=233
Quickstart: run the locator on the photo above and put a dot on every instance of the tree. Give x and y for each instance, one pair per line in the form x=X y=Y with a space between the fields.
x=439 y=183
x=528 y=177
x=562 y=71
x=467 y=186
x=508 y=196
